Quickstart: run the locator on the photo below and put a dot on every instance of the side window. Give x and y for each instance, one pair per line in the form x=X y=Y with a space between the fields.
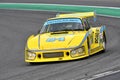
x=86 y=24
x=94 y=23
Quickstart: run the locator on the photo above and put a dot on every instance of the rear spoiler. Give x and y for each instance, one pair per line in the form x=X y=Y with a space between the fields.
x=79 y=14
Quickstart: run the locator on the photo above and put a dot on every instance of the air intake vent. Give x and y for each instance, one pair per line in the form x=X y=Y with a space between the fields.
x=53 y=55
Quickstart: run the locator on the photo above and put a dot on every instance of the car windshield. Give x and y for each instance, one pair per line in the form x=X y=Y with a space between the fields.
x=62 y=25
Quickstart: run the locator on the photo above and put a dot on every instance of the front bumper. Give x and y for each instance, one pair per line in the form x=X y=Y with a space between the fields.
x=51 y=56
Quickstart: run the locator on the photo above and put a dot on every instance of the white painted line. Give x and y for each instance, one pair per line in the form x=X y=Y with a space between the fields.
x=97 y=75
x=103 y=74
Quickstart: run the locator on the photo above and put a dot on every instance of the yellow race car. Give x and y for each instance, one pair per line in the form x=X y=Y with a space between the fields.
x=66 y=37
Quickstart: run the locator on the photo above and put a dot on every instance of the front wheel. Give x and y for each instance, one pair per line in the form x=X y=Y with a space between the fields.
x=32 y=63
x=104 y=44
x=88 y=45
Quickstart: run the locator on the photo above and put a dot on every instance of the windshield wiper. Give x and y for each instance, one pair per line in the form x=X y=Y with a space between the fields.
x=64 y=31
x=59 y=32
x=71 y=30
x=67 y=30
x=77 y=29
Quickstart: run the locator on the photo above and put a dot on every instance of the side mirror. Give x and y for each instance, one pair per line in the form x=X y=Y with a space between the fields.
x=87 y=28
x=38 y=31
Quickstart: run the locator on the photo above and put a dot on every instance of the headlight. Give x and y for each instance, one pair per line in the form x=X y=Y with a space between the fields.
x=77 y=52
x=73 y=52
x=31 y=55
x=80 y=50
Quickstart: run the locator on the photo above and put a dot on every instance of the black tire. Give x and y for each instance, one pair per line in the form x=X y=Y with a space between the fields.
x=32 y=63
x=88 y=45
x=104 y=43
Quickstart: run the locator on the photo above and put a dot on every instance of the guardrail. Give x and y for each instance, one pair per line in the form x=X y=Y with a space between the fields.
x=104 y=11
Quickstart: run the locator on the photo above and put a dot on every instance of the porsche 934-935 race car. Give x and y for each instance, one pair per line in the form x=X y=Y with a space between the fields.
x=66 y=37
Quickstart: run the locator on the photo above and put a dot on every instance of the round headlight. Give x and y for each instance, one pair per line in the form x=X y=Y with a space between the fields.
x=31 y=55
x=73 y=52
x=80 y=50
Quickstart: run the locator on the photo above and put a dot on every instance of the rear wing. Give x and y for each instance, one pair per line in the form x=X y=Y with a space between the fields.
x=79 y=15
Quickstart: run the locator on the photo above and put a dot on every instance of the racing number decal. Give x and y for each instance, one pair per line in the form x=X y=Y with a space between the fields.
x=54 y=39
x=96 y=36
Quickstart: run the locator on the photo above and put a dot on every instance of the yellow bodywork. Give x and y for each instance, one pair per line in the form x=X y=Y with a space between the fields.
x=72 y=45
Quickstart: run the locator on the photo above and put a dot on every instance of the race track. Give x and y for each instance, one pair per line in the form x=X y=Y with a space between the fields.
x=16 y=26
x=111 y=3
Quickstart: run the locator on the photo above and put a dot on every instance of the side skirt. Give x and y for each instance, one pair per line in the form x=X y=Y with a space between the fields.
x=95 y=50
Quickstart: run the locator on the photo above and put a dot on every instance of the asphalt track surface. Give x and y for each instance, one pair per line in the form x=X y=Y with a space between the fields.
x=16 y=26
x=115 y=76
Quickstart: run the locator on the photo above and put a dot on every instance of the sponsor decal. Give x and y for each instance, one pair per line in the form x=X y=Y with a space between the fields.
x=54 y=39
x=97 y=36
x=101 y=37
x=62 y=21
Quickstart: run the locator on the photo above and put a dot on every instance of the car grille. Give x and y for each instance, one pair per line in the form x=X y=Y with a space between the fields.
x=53 y=55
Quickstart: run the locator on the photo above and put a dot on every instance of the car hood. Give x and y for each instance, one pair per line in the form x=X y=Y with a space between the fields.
x=55 y=41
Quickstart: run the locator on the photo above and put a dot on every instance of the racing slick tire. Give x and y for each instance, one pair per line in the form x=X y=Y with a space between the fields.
x=104 y=43
x=88 y=45
x=32 y=63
